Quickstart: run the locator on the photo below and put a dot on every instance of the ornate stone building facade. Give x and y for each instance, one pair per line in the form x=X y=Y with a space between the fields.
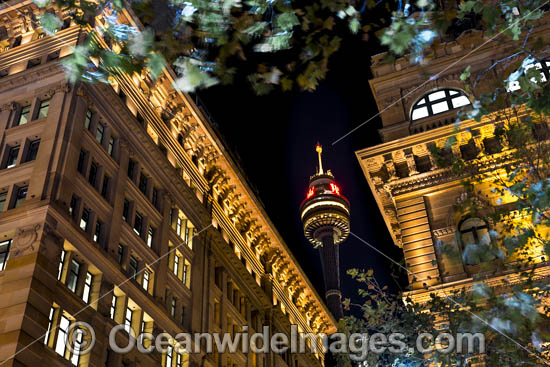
x=120 y=205
x=416 y=197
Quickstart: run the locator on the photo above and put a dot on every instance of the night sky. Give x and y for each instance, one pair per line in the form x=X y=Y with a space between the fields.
x=274 y=137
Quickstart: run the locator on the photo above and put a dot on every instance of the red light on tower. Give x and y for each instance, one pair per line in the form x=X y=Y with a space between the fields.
x=334 y=188
x=310 y=192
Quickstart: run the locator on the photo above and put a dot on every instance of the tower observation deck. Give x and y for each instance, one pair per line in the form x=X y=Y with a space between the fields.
x=325 y=214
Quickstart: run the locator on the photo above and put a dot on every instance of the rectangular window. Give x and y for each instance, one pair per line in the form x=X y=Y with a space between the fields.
x=178 y=360
x=186 y=236
x=61 y=263
x=133 y=268
x=138 y=224
x=50 y=324
x=120 y=253
x=3 y=198
x=87 y=287
x=20 y=196
x=143 y=183
x=173 y=307
x=186 y=273
x=131 y=168
x=179 y=223
x=113 y=307
x=146 y=278
x=12 y=154
x=111 y=146
x=24 y=116
x=75 y=358
x=98 y=231
x=93 y=174
x=81 y=162
x=105 y=186
x=62 y=336
x=85 y=219
x=4 y=253
x=88 y=119
x=125 y=210
x=32 y=152
x=72 y=275
x=151 y=236
x=72 y=206
x=100 y=133
x=43 y=109
x=155 y=197
x=128 y=319
x=176 y=264
x=169 y=352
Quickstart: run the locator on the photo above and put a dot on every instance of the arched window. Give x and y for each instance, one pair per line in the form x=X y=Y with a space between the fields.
x=543 y=66
x=476 y=241
x=438 y=101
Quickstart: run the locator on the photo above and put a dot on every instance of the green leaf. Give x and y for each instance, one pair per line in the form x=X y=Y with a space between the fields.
x=155 y=63
x=286 y=21
x=465 y=74
x=50 y=23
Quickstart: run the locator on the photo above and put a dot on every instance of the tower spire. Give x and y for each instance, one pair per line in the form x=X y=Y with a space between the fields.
x=319 y=150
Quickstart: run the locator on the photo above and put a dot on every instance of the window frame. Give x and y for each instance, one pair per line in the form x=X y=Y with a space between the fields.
x=5 y=247
x=424 y=101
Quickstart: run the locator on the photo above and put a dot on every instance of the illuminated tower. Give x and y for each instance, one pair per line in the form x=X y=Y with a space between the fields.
x=325 y=215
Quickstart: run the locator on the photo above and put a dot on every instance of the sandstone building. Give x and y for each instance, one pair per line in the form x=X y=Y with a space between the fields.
x=120 y=205
x=414 y=195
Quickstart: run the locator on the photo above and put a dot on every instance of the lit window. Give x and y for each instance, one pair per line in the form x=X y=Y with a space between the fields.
x=24 y=116
x=146 y=278
x=113 y=307
x=87 y=287
x=33 y=150
x=150 y=236
x=84 y=220
x=544 y=68
x=72 y=275
x=186 y=276
x=98 y=231
x=173 y=307
x=62 y=335
x=20 y=196
x=12 y=154
x=476 y=241
x=4 y=253
x=128 y=319
x=138 y=223
x=179 y=223
x=176 y=264
x=438 y=102
x=50 y=324
x=72 y=206
x=169 y=352
x=61 y=263
x=43 y=109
